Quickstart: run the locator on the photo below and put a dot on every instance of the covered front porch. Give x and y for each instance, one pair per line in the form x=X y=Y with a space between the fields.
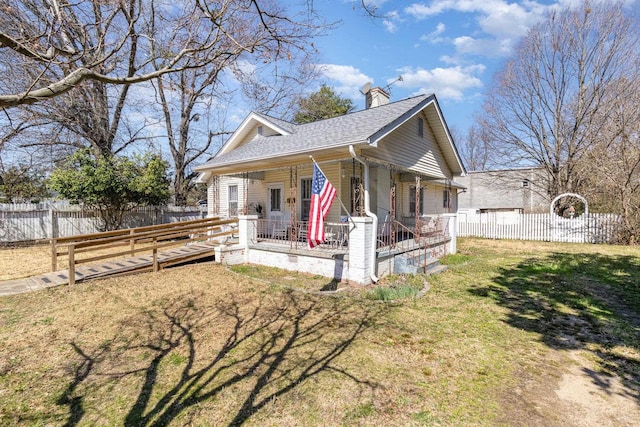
x=351 y=260
x=408 y=215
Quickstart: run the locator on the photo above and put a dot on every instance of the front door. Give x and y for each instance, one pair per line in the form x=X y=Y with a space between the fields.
x=275 y=202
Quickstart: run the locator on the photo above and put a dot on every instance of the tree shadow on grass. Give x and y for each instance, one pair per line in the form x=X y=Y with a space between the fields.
x=80 y=372
x=195 y=354
x=578 y=301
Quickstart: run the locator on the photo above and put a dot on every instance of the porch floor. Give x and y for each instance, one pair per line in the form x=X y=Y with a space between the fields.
x=300 y=248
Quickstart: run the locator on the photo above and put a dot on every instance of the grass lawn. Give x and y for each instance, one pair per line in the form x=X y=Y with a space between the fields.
x=207 y=345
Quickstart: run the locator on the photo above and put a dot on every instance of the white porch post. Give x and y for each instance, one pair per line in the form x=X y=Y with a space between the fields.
x=360 y=241
x=247 y=230
x=452 y=226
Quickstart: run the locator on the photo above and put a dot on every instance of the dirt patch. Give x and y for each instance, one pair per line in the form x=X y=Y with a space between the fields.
x=597 y=400
x=568 y=392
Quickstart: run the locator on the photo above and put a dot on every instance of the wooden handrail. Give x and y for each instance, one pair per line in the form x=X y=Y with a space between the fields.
x=61 y=241
x=126 y=231
x=97 y=241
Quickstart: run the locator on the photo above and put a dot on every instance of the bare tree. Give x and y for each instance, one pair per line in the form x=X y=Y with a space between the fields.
x=112 y=41
x=474 y=148
x=612 y=166
x=83 y=57
x=551 y=94
x=188 y=98
x=274 y=89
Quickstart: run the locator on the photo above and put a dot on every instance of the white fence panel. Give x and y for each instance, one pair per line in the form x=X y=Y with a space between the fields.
x=592 y=228
x=28 y=222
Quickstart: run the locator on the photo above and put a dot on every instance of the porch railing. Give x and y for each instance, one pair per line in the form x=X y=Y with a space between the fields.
x=392 y=232
x=424 y=231
x=295 y=233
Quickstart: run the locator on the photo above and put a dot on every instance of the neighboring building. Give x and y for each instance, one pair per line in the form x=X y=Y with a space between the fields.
x=512 y=190
x=377 y=159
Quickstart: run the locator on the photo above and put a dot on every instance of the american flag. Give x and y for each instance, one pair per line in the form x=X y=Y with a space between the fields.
x=322 y=195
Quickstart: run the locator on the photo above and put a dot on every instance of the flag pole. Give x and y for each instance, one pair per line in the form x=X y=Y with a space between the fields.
x=337 y=197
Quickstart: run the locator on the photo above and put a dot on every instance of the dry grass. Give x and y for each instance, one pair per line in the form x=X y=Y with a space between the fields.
x=207 y=345
x=20 y=262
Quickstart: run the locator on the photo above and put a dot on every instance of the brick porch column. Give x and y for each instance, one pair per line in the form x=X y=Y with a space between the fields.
x=453 y=231
x=360 y=239
x=247 y=230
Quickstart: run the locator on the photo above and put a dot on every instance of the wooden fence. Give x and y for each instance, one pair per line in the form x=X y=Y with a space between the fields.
x=31 y=222
x=591 y=228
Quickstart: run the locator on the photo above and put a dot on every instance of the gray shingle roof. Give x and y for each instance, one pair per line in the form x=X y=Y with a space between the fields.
x=357 y=127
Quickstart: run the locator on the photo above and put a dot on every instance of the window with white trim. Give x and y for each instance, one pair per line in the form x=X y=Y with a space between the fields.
x=275 y=198
x=233 y=200
x=305 y=198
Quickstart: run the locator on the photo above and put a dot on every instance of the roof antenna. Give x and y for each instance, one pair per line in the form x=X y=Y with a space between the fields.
x=388 y=87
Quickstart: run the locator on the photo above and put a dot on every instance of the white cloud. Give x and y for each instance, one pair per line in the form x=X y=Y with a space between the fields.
x=511 y=20
x=448 y=83
x=349 y=79
x=448 y=59
x=420 y=11
x=500 y=23
x=391 y=21
x=434 y=36
x=486 y=47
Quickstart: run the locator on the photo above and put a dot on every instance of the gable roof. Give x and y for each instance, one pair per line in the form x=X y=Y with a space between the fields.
x=288 y=127
x=364 y=127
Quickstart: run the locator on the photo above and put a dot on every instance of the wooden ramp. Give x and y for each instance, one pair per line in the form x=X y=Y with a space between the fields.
x=189 y=240
x=131 y=265
x=128 y=251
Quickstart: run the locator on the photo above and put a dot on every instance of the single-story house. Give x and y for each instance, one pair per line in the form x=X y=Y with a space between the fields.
x=393 y=165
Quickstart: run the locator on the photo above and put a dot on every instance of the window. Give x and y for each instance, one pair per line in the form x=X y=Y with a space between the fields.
x=275 y=199
x=305 y=197
x=412 y=200
x=420 y=127
x=446 y=199
x=260 y=130
x=233 y=200
x=525 y=183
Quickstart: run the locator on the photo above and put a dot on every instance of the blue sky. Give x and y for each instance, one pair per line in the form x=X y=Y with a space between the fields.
x=448 y=47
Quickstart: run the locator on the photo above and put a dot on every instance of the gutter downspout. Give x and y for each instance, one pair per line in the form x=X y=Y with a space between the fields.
x=367 y=211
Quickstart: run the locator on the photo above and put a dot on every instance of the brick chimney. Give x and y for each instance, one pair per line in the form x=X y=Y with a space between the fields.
x=375 y=97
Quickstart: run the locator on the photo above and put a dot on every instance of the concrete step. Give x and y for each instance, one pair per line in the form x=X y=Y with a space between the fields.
x=417 y=262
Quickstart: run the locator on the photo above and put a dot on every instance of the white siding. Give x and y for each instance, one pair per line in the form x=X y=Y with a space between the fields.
x=212 y=203
x=403 y=147
x=257 y=194
x=225 y=182
x=257 y=190
x=253 y=132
